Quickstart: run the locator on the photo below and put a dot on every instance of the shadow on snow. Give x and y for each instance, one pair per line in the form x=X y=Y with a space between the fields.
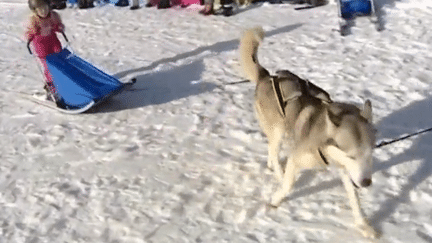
x=172 y=83
x=412 y=118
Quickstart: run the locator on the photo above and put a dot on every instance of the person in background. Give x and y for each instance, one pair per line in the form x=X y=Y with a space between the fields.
x=161 y=4
x=135 y=5
x=208 y=7
x=58 y=4
x=226 y=8
x=85 y=4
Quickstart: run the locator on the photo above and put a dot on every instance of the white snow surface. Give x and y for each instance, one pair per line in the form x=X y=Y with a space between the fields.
x=182 y=158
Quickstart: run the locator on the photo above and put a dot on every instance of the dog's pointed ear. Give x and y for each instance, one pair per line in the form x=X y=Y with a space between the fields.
x=367 y=111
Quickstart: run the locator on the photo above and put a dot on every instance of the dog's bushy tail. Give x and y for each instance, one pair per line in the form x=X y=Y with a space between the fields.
x=249 y=44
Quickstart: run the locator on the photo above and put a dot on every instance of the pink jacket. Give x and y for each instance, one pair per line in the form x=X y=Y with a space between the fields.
x=42 y=32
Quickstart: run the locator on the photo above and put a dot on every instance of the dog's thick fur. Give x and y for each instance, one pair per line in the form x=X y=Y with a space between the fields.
x=322 y=132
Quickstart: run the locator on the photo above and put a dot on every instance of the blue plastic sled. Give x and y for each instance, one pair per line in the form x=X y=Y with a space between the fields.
x=79 y=84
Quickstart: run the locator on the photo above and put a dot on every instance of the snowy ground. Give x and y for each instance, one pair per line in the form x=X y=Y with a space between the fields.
x=181 y=158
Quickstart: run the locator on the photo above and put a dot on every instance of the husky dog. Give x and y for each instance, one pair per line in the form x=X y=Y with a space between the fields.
x=322 y=132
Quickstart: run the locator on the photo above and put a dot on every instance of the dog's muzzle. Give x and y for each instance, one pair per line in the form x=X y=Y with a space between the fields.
x=366 y=182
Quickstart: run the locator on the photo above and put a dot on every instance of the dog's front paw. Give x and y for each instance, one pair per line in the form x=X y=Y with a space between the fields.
x=367 y=231
x=275 y=203
x=277 y=198
x=270 y=164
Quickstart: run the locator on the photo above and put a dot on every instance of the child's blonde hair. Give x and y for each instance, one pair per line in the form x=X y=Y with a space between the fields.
x=33 y=4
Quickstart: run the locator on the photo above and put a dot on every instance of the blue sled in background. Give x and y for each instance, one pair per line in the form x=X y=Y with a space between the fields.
x=79 y=84
x=350 y=9
x=353 y=8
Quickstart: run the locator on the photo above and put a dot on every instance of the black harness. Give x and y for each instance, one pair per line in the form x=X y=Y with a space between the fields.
x=323 y=157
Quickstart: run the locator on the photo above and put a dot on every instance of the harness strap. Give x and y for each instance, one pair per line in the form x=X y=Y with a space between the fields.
x=278 y=93
x=323 y=157
x=285 y=90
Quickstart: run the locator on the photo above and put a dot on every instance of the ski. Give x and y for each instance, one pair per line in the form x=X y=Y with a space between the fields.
x=50 y=104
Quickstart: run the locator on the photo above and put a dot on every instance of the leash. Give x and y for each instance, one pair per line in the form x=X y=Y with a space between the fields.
x=238 y=82
x=384 y=143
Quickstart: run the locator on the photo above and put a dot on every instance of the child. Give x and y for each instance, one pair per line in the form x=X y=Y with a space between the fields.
x=41 y=31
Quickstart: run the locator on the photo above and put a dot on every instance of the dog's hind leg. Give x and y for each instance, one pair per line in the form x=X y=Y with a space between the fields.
x=300 y=159
x=287 y=183
x=361 y=222
x=275 y=137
